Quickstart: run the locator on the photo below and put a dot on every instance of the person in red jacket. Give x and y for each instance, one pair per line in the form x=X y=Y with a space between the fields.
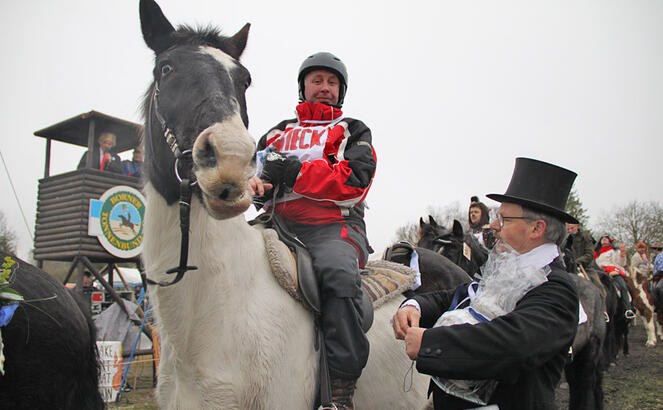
x=314 y=171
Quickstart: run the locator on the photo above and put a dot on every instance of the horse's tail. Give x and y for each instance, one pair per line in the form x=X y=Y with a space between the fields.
x=85 y=392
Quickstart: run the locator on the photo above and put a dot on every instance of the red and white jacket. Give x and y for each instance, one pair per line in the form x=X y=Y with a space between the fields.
x=609 y=260
x=338 y=164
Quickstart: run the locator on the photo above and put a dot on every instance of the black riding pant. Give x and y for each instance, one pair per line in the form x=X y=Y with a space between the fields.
x=338 y=250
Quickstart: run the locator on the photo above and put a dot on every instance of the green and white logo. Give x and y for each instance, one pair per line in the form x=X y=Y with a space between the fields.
x=116 y=219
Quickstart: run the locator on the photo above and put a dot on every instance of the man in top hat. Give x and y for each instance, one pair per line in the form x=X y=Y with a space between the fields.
x=524 y=350
x=105 y=160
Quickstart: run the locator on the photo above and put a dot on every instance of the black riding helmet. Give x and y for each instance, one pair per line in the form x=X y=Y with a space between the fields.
x=324 y=61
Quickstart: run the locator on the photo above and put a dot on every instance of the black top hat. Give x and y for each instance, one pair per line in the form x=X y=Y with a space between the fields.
x=539 y=186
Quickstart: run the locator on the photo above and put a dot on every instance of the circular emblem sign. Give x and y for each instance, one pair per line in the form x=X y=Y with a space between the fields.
x=117 y=220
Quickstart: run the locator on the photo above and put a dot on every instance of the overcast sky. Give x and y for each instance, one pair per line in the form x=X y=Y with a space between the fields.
x=453 y=91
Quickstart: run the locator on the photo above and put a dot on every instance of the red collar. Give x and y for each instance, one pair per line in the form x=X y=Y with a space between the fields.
x=605 y=249
x=308 y=111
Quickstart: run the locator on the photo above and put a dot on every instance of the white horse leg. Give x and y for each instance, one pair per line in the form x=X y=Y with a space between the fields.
x=651 y=334
x=386 y=374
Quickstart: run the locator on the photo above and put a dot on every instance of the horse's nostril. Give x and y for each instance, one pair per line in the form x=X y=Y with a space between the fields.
x=206 y=156
x=224 y=194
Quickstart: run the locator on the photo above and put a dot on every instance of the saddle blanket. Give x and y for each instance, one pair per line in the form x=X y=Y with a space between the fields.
x=381 y=280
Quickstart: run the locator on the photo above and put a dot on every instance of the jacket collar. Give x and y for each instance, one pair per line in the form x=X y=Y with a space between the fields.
x=317 y=114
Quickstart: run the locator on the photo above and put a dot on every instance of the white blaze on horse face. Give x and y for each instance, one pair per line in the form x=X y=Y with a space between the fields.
x=222 y=156
x=224 y=59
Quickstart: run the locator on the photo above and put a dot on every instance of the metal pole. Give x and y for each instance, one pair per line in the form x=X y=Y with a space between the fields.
x=47 y=163
x=90 y=144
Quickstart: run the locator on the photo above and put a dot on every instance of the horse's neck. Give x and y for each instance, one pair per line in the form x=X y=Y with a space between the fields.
x=221 y=249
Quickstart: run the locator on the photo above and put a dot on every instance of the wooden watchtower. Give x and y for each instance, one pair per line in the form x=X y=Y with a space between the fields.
x=63 y=202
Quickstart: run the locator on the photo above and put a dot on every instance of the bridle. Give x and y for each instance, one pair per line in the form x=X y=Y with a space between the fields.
x=187 y=180
x=446 y=242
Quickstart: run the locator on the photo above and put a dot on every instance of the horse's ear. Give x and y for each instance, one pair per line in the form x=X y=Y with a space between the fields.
x=457 y=229
x=156 y=28
x=421 y=222
x=432 y=220
x=235 y=45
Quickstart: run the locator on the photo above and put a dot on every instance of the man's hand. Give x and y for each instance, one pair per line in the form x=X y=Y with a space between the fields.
x=413 y=341
x=406 y=317
x=257 y=186
x=280 y=170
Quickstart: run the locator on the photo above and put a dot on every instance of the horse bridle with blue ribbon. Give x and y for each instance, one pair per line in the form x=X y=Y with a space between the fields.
x=186 y=184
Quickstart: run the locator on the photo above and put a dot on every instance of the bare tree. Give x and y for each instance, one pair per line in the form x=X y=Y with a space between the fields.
x=633 y=222
x=7 y=236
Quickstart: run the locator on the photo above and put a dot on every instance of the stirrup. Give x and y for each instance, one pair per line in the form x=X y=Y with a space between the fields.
x=629 y=314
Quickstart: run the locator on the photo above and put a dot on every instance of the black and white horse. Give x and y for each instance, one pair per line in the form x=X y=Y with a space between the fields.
x=51 y=359
x=231 y=336
x=584 y=372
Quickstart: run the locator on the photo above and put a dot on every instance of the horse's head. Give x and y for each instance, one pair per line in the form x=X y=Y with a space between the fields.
x=197 y=98
x=450 y=243
x=431 y=234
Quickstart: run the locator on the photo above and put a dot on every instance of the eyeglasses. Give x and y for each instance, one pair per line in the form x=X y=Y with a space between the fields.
x=501 y=218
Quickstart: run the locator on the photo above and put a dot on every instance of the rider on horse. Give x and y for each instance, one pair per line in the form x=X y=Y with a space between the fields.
x=317 y=169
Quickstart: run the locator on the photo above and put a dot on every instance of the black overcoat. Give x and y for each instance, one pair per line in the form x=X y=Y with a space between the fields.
x=524 y=350
x=114 y=166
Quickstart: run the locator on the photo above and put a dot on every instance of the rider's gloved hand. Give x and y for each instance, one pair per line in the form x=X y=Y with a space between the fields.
x=280 y=170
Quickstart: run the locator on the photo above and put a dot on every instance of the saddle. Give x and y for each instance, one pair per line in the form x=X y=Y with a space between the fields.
x=293 y=269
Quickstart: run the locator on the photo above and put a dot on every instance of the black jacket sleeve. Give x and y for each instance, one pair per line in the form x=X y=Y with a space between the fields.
x=543 y=323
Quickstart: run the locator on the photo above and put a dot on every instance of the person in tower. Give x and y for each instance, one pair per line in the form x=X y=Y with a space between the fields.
x=105 y=160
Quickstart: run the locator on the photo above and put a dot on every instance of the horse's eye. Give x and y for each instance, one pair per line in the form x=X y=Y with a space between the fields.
x=166 y=69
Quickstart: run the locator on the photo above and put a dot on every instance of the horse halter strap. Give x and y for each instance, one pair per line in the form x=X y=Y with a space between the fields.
x=186 y=184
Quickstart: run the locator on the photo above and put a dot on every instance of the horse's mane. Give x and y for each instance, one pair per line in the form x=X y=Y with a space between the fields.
x=199 y=36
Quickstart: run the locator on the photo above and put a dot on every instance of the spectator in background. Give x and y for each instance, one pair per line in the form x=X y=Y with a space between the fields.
x=106 y=160
x=479 y=219
x=580 y=247
x=658 y=259
x=640 y=261
x=582 y=244
x=88 y=280
x=134 y=168
x=612 y=262
x=658 y=273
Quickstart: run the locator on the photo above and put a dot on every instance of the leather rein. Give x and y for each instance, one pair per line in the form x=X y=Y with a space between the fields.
x=187 y=181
